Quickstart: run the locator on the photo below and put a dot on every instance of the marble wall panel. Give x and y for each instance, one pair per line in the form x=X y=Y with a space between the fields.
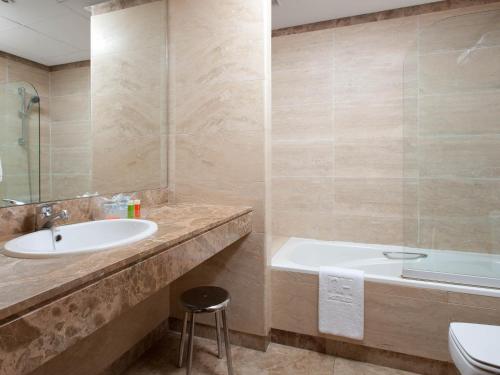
x=219 y=108
x=110 y=345
x=128 y=91
x=70 y=108
x=302 y=159
x=456 y=72
x=219 y=125
x=467 y=234
x=247 y=257
x=64 y=99
x=351 y=135
x=463 y=114
x=70 y=81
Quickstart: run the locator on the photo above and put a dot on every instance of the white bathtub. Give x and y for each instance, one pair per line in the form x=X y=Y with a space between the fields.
x=306 y=255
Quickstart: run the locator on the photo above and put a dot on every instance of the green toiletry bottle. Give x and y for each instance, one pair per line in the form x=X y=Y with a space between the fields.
x=130 y=209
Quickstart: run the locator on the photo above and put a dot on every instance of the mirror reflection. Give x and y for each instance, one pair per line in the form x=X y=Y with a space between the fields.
x=19 y=143
x=69 y=123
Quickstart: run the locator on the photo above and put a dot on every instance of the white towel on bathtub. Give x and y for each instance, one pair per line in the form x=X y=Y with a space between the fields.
x=341 y=302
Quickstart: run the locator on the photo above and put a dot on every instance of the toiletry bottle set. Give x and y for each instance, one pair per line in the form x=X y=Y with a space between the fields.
x=134 y=209
x=122 y=207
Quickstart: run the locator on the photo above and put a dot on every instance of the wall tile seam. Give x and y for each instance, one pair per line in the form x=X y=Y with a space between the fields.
x=334 y=214
x=218 y=134
x=82 y=94
x=219 y=82
x=302 y=177
x=223 y=181
x=302 y=142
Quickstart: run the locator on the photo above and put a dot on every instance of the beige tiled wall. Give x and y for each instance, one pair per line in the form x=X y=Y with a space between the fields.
x=70 y=147
x=337 y=132
x=128 y=92
x=218 y=125
x=377 y=138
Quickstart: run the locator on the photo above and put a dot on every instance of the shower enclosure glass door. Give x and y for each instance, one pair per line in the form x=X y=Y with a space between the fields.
x=19 y=144
x=452 y=151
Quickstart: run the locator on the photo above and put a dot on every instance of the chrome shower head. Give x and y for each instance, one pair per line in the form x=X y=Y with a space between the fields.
x=34 y=100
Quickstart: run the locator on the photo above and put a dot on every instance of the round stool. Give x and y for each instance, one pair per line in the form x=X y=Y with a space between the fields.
x=201 y=300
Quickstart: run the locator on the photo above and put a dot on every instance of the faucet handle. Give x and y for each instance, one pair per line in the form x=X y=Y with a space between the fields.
x=45 y=210
x=65 y=214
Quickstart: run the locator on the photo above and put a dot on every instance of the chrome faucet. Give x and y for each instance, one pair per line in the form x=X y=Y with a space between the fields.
x=46 y=217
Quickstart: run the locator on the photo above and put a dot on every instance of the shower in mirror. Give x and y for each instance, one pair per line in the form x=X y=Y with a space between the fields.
x=19 y=144
x=24 y=113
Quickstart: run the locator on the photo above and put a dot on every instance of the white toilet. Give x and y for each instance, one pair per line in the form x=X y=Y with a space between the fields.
x=475 y=348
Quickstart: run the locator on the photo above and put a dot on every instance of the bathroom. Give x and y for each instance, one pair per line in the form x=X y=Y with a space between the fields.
x=322 y=172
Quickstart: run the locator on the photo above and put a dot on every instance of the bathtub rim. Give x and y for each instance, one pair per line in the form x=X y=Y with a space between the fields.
x=279 y=264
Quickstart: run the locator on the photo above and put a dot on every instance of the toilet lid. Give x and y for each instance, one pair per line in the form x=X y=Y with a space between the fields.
x=480 y=342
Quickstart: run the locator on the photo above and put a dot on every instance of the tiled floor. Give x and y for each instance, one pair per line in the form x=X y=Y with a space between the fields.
x=278 y=360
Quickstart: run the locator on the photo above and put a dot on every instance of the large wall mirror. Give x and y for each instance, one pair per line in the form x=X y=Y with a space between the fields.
x=82 y=99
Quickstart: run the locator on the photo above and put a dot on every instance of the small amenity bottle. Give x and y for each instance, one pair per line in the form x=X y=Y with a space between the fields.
x=137 y=204
x=131 y=209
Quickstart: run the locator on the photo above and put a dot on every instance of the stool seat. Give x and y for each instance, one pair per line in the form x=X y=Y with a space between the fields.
x=205 y=299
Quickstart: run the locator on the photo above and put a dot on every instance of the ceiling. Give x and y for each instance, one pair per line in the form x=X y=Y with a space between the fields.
x=300 y=12
x=50 y=32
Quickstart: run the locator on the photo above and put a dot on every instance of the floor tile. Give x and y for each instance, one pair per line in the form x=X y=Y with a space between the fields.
x=278 y=360
x=346 y=367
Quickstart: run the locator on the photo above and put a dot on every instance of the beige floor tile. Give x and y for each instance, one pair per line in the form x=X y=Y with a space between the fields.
x=346 y=367
x=278 y=359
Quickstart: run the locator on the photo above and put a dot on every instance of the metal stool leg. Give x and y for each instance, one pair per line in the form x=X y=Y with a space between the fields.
x=228 y=345
x=190 y=345
x=183 y=340
x=217 y=328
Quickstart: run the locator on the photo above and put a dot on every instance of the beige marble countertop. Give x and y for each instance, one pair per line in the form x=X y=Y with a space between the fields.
x=26 y=284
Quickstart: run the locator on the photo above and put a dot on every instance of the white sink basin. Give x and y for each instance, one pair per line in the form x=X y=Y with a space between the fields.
x=80 y=238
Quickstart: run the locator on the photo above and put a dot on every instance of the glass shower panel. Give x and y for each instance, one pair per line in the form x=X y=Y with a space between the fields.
x=452 y=152
x=19 y=144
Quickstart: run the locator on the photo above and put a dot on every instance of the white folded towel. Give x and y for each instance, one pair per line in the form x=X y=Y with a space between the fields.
x=341 y=302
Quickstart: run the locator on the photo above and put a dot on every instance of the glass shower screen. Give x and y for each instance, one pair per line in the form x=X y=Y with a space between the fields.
x=19 y=144
x=452 y=150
